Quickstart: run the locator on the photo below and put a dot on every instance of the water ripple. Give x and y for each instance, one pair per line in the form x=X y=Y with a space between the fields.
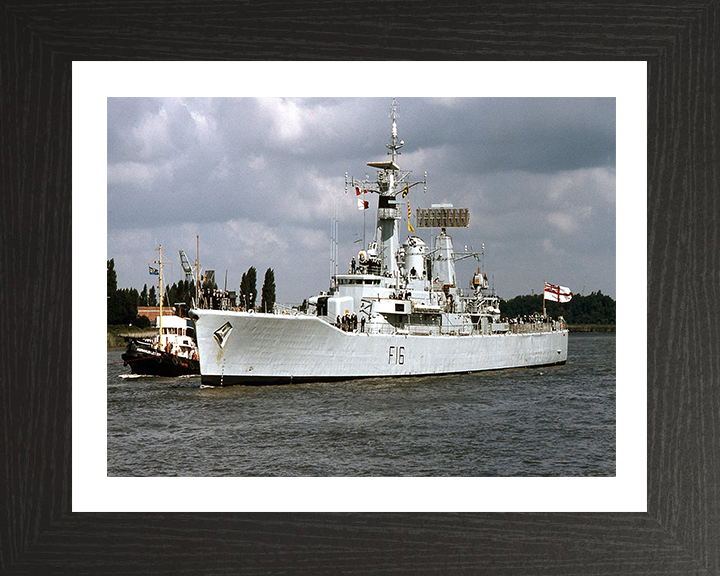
x=557 y=421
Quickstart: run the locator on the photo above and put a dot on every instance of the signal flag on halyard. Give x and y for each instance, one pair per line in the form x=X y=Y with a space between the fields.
x=153 y=271
x=557 y=293
x=362 y=204
x=410 y=227
x=405 y=193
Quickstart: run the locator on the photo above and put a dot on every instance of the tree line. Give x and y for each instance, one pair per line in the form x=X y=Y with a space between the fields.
x=596 y=308
x=122 y=303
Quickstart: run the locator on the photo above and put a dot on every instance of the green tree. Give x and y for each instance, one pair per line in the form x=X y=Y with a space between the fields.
x=152 y=297
x=111 y=277
x=596 y=308
x=180 y=292
x=129 y=300
x=122 y=304
x=169 y=295
x=115 y=305
x=143 y=297
x=248 y=288
x=142 y=322
x=267 y=304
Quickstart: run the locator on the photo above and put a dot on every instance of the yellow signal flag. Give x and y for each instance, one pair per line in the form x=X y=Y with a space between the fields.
x=405 y=193
x=410 y=227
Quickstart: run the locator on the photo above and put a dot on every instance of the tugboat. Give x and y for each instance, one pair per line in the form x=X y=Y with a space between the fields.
x=399 y=310
x=172 y=352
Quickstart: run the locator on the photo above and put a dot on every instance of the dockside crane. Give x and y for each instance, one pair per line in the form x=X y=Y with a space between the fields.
x=186 y=267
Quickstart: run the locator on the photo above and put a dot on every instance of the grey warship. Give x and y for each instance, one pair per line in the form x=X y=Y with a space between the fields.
x=398 y=311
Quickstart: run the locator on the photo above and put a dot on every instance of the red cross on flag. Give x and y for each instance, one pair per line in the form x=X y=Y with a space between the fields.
x=557 y=293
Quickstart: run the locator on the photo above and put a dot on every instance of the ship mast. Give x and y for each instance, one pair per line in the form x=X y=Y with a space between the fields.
x=197 y=271
x=388 y=215
x=162 y=287
x=160 y=268
x=393 y=146
x=390 y=181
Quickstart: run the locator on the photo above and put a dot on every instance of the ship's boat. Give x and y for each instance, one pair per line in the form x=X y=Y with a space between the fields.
x=171 y=352
x=399 y=310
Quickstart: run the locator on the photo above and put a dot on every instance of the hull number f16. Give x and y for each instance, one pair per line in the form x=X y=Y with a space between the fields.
x=396 y=355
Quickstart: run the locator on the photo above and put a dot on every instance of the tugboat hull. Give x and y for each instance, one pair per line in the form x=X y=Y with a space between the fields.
x=159 y=363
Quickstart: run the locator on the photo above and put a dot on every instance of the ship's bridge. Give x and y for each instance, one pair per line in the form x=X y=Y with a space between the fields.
x=358 y=280
x=359 y=286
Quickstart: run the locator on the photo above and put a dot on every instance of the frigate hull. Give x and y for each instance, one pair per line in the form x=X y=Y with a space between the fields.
x=249 y=348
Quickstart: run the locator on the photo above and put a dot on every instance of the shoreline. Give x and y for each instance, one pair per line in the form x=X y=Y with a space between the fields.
x=116 y=335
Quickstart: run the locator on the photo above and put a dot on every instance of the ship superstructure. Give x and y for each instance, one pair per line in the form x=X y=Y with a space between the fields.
x=398 y=311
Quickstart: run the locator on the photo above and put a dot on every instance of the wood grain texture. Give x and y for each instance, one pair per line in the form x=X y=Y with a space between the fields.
x=681 y=531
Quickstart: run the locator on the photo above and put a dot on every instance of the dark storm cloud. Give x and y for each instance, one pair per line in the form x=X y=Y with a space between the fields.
x=259 y=180
x=542 y=135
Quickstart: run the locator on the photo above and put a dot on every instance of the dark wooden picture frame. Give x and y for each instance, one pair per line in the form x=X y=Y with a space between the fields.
x=680 y=533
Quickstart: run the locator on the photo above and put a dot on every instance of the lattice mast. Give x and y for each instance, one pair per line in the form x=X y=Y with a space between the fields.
x=391 y=181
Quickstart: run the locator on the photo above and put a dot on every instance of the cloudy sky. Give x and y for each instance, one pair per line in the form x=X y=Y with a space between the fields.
x=260 y=179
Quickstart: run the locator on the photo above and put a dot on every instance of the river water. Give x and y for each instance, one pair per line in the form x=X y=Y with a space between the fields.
x=552 y=421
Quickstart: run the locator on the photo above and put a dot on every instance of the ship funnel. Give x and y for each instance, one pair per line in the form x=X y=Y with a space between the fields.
x=443 y=265
x=415 y=252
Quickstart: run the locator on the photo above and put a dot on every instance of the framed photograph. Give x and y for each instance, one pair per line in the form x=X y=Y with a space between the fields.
x=67 y=514
x=261 y=171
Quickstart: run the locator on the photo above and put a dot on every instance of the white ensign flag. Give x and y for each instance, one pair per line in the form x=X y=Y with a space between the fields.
x=557 y=293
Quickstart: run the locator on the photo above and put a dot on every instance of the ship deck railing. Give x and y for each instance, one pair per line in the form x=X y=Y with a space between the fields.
x=422 y=330
x=286 y=308
x=453 y=329
x=459 y=330
x=533 y=327
x=381 y=329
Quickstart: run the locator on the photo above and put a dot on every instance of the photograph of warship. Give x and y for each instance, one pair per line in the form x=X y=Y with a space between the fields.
x=398 y=311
